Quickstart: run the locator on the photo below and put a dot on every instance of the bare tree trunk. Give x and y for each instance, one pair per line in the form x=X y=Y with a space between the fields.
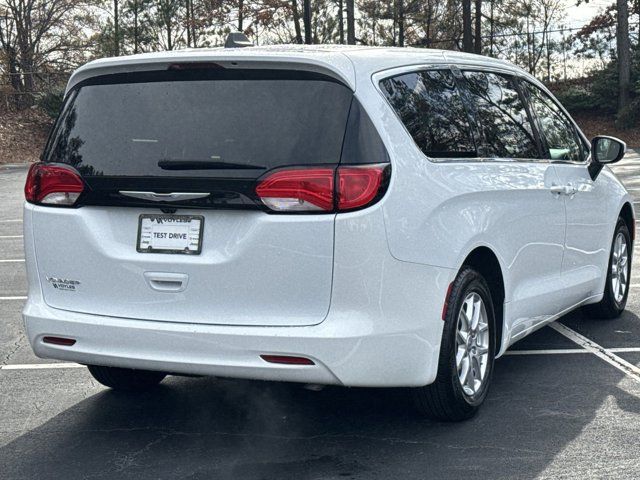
x=240 y=15
x=167 y=24
x=564 y=55
x=400 y=15
x=306 y=15
x=374 y=24
x=194 y=39
x=351 y=24
x=27 y=65
x=136 y=33
x=341 y=20
x=13 y=72
x=548 y=58
x=296 y=20
x=467 y=40
x=534 y=57
x=14 y=75
x=478 y=28
x=492 y=29
x=188 y=19
x=116 y=29
x=427 y=37
x=528 y=46
x=394 y=25
x=624 y=54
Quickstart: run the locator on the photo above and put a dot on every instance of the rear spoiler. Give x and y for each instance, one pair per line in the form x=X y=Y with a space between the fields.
x=335 y=65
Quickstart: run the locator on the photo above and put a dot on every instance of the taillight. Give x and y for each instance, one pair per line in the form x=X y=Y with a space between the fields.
x=358 y=186
x=298 y=190
x=322 y=189
x=52 y=185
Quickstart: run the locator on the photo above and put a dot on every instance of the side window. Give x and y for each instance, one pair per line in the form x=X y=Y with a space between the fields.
x=562 y=141
x=429 y=105
x=503 y=124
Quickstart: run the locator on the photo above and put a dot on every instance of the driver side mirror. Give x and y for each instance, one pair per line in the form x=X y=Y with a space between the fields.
x=605 y=150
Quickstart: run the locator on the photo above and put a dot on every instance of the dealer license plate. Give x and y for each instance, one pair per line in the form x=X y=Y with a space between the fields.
x=170 y=234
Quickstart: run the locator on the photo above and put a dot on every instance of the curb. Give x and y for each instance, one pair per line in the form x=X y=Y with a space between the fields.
x=15 y=166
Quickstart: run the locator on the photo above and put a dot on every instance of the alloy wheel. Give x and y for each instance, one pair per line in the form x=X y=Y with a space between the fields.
x=619 y=268
x=472 y=344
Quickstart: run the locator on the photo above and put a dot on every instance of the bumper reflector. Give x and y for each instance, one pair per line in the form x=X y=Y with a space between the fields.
x=287 y=360
x=65 y=342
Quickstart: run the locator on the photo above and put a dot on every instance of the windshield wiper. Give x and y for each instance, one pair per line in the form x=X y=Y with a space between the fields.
x=168 y=164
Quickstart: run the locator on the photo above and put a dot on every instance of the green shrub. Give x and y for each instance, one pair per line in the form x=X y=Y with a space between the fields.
x=578 y=99
x=604 y=88
x=51 y=102
x=629 y=116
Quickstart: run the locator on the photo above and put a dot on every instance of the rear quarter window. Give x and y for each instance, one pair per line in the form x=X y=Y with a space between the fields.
x=430 y=107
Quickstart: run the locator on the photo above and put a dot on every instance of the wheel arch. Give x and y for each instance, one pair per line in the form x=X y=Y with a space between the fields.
x=626 y=213
x=485 y=261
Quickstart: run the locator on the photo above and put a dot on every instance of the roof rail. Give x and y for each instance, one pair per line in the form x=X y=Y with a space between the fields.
x=237 y=40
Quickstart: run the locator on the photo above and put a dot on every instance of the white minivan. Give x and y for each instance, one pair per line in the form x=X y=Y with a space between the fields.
x=354 y=216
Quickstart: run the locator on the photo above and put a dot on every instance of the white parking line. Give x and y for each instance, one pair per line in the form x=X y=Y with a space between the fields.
x=608 y=356
x=13 y=220
x=13 y=260
x=624 y=349
x=568 y=351
x=4 y=237
x=13 y=298
x=557 y=351
x=40 y=366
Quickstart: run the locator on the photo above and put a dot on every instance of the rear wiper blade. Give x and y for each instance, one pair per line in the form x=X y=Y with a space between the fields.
x=205 y=165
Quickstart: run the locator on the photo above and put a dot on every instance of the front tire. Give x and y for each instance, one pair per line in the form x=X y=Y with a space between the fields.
x=125 y=378
x=467 y=352
x=616 y=288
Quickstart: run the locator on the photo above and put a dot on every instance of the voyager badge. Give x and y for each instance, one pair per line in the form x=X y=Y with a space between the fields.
x=63 y=283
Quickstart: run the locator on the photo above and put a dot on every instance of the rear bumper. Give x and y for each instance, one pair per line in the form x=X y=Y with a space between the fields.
x=383 y=328
x=340 y=357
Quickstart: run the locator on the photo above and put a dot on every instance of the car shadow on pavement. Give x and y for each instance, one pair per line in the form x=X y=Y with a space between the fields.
x=201 y=428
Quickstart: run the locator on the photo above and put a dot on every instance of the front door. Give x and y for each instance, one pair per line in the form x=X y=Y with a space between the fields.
x=587 y=236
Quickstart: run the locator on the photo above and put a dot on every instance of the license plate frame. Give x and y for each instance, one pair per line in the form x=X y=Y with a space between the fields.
x=146 y=246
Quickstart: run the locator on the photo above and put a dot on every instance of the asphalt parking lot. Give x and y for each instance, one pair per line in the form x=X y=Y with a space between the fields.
x=565 y=403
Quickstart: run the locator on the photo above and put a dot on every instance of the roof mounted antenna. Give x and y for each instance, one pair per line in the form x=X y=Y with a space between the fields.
x=237 y=40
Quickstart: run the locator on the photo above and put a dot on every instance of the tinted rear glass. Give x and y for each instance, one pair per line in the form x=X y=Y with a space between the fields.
x=429 y=105
x=189 y=122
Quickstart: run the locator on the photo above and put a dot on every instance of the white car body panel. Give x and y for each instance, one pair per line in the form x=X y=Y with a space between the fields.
x=380 y=274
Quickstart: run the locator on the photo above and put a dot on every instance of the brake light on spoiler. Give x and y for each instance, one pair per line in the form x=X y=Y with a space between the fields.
x=53 y=185
x=323 y=189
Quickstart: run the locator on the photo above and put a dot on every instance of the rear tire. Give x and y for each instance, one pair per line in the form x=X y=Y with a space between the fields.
x=616 y=289
x=449 y=397
x=125 y=378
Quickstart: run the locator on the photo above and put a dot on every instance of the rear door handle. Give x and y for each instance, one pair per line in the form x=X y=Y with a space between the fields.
x=563 y=189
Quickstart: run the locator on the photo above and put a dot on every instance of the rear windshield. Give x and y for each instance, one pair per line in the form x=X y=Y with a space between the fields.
x=214 y=123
